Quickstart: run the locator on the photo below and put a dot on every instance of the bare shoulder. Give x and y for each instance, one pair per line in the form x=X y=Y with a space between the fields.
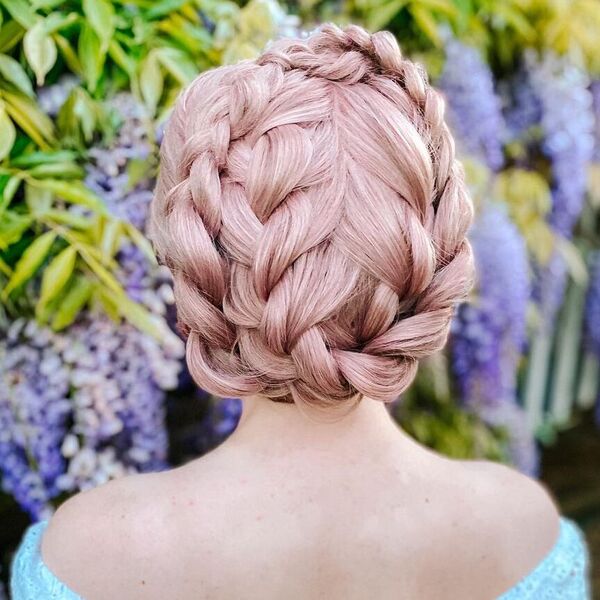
x=521 y=514
x=91 y=532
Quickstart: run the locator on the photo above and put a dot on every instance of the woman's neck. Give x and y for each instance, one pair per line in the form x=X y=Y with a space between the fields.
x=273 y=428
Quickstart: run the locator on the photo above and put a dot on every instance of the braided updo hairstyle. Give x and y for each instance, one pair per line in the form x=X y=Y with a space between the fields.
x=313 y=214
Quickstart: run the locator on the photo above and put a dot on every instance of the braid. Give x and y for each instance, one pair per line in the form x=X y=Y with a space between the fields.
x=313 y=214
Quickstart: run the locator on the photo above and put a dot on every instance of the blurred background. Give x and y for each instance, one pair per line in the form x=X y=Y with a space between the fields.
x=92 y=380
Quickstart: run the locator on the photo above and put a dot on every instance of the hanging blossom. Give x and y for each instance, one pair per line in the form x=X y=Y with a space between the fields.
x=522 y=107
x=567 y=123
x=80 y=407
x=474 y=109
x=488 y=335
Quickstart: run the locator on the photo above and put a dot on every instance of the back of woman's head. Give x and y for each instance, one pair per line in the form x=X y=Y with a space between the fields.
x=313 y=215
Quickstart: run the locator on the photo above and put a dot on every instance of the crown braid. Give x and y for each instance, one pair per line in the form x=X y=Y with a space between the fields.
x=313 y=214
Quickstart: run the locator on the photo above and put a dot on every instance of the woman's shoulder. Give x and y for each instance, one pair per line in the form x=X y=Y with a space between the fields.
x=520 y=519
x=517 y=507
x=107 y=532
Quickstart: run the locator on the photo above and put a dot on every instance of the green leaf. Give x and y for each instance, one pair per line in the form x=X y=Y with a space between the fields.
x=110 y=237
x=120 y=57
x=58 y=20
x=141 y=241
x=100 y=15
x=10 y=35
x=151 y=81
x=140 y=317
x=384 y=13
x=68 y=53
x=64 y=217
x=12 y=227
x=40 y=50
x=72 y=191
x=4 y=268
x=61 y=170
x=177 y=63
x=34 y=159
x=91 y=56
x=56 y=275
x=9 y=191
x=12 y=71
x=7 y=133
x=77 y=294
x=106 y=277
x=27 y=115
x=20 y=11
x=162 y=8
x=426 y=23
x=29 y=262
x=38 y=200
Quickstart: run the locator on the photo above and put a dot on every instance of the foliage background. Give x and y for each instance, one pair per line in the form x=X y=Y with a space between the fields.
x=93 y=385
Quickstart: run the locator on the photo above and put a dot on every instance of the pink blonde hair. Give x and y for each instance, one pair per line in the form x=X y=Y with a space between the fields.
x=313 y=214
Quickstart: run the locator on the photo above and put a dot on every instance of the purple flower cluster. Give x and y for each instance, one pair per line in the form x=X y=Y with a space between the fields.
x=567 y=123
x=488 y=335
x=225 y=416
x=80 y=407
x=522 y=107
x=522 y=447
x=108 y=170
x=474 y=109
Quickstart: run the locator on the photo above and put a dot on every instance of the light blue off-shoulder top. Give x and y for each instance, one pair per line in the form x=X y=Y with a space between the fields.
x=563 y=574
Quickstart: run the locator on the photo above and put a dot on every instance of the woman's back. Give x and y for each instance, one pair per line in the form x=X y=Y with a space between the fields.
x=326 y=521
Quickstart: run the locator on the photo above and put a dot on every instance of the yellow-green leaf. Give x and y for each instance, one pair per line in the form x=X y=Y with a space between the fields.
x=103 y=274
x=177 y=63
x=64 y=217
x=91 y=55
x=10 y=35
x=20 y=11
x=40 y=50
x=56 y=275
x=27 y=115
x=38 y=200
x=7 y=133
x=141 y=242
x=29 y=262
x=9 y=191
x=151 y=81
x=12 y=71
x=4 y=268
x=110 y=237
x=68 y=53
x=117 y=53
x=78 y=293
x=72 y=191
x=100 y=15
x=382 y=14
x=426 y=23
x=12 y=227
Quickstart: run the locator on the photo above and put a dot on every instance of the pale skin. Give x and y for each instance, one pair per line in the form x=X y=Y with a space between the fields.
x=294 y=509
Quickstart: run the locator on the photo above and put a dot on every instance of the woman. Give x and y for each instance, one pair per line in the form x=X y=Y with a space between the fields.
x=313 y=214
